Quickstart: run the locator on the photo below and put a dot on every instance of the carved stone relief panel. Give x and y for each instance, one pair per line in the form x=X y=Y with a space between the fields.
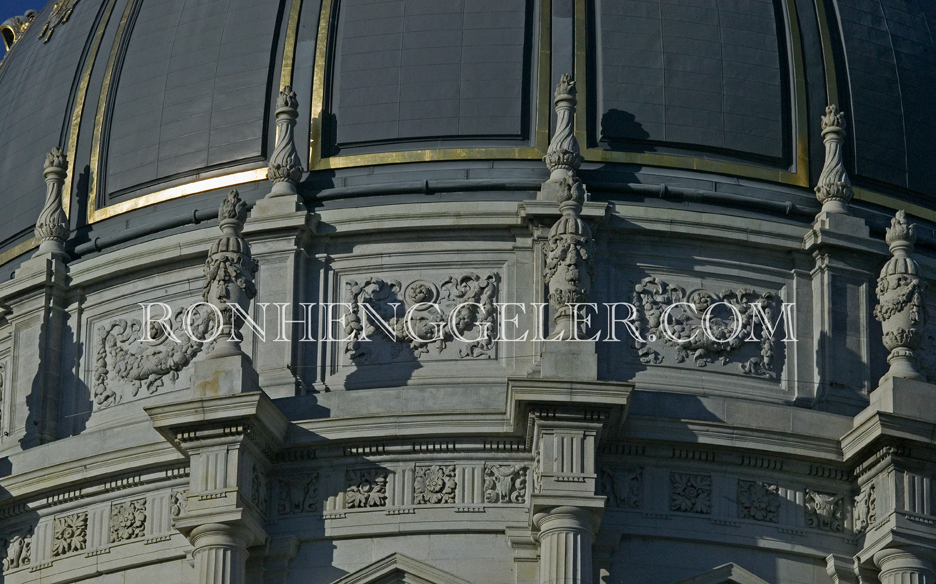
x=505 y=483
x=126 y=368
x=17 y=549
x=866 y=509
x=258 y=489
x=366 y=488
x=128 y=520
x=69 y=534
x=691 y=493
x=178 y=504
x=758 y=501
x=726 y=342
x=432 y=334
x=825 y=511
x=622 y=487
x=434 y=485
x=297 y=493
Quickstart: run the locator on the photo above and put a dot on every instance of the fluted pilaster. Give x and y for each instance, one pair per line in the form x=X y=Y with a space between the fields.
x=220 y=553
x=904 y=566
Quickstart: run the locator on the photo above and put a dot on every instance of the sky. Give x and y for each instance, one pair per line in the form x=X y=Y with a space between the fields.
x=10 y=8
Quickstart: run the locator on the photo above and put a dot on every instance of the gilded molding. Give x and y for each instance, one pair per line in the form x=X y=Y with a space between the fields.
x=60 y=14
x=13 y=28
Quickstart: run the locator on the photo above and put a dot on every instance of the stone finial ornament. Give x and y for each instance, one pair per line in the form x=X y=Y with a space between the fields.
x=60 y=13
x=569 y=251
x=52 y=226
x=563 y=155
x=901 y=305
x=229 y=273
x=834 y=190
x=13 y=28
x=285 y=169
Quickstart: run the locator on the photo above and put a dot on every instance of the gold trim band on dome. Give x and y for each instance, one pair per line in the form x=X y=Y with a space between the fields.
x=541 y=118
x=19 y=250
x=199 y=186
x=800 y=122
x=828 y=59
x=289 y=46
x=99 y=116
x=80 y=103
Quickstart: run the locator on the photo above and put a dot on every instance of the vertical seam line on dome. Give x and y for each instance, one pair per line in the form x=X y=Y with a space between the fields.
x=662 y=64
x=162 y=110
x=903 y=118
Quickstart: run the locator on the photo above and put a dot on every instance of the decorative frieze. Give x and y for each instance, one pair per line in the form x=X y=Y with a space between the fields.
x=297 y=494
x=366 y=488
x=128 y=520
x=434 y=485
x=18 y=549
x=825 y=511
x=724 y=342
x=758 y=501
x=475 y=320
x=258 y=489
x=70 y=534
x=622 y=488
x=691 y=493
x=178 y=504
x=505 y=483
x=866 y=509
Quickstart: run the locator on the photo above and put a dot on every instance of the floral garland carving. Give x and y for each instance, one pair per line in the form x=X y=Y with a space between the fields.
x=652 y=296
x=453 y=291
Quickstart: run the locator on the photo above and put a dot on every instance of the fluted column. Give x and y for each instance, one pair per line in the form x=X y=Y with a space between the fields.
x=905 y=566
x=566 y=537
x=220 y=553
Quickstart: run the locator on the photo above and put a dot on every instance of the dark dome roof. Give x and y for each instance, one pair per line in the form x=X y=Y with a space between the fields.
x=148 y=96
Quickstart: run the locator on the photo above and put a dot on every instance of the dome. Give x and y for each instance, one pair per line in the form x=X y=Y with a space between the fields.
x=453 y=291
x=151 y=100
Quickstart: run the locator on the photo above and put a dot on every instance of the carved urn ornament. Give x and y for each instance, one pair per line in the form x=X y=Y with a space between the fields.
x=285 y=170
x=52 y=226
x=229 y=274
x=562 y=156
x=834 y=190
x=569 y=251
x=901 y=305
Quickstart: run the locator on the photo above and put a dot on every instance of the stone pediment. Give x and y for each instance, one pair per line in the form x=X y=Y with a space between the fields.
x=726 y=573
x=400 y=569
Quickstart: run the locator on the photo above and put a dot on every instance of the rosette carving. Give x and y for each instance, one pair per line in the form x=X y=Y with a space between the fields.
x=285 y=170
x=901 y=308
x=52 y=226
x=834 y=190
x=229 y=273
